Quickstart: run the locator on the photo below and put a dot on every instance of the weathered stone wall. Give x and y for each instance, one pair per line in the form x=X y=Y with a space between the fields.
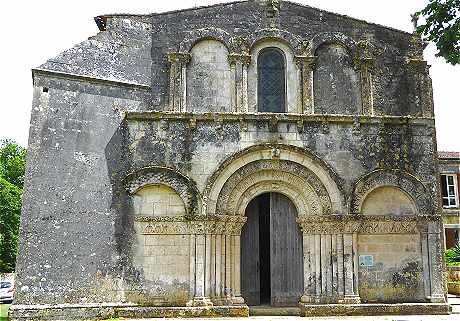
x=208 y=78
x=94 y=142
x=297 y=25
x=396 y=275
x=71 y=228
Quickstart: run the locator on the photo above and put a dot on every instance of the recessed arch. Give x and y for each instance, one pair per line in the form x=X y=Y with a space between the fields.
x=195 y=36
x=181 y=184
x=295 y=43
x=404 y=181
x=283 y=159
x=330 y=38
x=388 y=200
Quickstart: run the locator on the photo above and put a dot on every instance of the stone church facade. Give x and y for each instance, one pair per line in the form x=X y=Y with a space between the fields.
x=255 y=152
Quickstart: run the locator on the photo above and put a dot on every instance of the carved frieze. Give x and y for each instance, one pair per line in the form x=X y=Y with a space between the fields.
x=365 y=224
x=212 y=224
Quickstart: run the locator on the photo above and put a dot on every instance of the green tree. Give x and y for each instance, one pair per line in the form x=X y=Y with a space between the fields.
x=12 y=167
x=442 y=26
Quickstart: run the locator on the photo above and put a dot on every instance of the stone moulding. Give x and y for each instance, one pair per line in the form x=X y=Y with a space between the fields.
x=335 y=224
x=397 y=178
x=199 y=224
x=274 y=154
x=155 y=175
x=287 y=117
x=271 y=171
x=99 y=311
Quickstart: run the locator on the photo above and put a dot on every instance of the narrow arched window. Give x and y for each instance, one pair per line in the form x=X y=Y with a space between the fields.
x=271 y=76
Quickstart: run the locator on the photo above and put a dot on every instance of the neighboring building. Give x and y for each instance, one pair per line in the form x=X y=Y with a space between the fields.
x=449 y=168
x=257 y=152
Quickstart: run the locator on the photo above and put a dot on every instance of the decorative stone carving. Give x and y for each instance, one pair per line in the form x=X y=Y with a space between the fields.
x=332 y=37
x=212 y=224
x=177 y=80
x=405 y=181
x=239 y=88
x=184 y=186
x=365 y=63
x=271 y=171
x=335 y=224
x=306 y=65
x=294 y=156
x=193 y=36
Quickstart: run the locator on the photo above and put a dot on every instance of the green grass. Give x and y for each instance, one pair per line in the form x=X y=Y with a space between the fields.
x=4 y=312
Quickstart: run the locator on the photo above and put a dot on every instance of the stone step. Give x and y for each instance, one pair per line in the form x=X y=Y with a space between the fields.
x=273 y=311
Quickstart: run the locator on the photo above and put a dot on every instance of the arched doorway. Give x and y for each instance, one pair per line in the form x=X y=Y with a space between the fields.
x=271 y=252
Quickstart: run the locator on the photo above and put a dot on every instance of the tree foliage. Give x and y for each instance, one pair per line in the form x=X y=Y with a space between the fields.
x=442 y=26
x=12 y=167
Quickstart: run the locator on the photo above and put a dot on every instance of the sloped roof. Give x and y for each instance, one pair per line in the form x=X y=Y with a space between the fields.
x=448 y=155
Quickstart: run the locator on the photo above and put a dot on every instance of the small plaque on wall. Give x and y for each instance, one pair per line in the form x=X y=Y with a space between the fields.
x=366 y=260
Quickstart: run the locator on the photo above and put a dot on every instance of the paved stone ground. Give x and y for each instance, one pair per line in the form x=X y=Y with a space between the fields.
x=452 y=317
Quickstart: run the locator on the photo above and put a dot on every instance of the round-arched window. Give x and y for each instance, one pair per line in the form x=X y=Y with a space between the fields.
x=271 y=76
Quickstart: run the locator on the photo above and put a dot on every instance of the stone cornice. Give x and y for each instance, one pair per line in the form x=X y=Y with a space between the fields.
x=288 y=117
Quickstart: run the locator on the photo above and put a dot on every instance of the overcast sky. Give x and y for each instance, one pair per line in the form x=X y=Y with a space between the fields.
x=34 y=31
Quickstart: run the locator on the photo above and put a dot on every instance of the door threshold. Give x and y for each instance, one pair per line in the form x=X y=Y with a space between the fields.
x=268 y=310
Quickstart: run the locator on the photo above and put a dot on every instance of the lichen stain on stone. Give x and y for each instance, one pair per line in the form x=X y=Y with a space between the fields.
x=403 y=284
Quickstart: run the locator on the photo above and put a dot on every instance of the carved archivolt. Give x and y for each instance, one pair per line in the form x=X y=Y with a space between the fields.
x=268 y=167
x=294 y=42
x=197 y=35
x=332 y=37
x=184 y=186
x=296 y=181
x=403 y=180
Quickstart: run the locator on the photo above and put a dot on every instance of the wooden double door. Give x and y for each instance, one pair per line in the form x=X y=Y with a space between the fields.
x=271 y=252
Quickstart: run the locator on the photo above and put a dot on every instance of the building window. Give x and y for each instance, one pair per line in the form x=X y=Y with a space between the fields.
x=271 y=81
x=449 y=191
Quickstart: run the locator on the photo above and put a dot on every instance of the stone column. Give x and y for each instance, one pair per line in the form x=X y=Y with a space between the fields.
x=208 y=266
x=192 y=256
x=228 y=267
x=436 y=262
x=236 y=298
x=239 y=64
x=308 y=267
x=340 y=270
x=200 y=298
x=218 y=284
x=317 y=266
x=420 y=90
x=367 y=98
x=350 y=268
x=306 y=64
x=178 y=80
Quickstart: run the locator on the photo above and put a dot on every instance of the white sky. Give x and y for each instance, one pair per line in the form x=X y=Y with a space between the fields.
x=34 y=31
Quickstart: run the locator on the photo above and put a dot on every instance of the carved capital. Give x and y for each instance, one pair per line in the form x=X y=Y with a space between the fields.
x=244 y=58
x=308 y=62
x=418 y=65
x=181 y=57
